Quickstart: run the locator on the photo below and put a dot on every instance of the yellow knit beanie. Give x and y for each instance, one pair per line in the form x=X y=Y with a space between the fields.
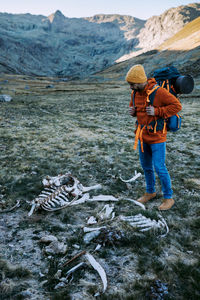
x=136 y=74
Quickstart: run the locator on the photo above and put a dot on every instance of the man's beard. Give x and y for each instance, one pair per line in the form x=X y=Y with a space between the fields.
x=138 y=89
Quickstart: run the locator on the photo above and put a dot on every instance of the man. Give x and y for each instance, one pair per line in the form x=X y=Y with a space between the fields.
x=152 y=139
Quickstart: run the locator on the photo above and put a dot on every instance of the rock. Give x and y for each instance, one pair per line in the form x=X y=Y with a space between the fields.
x=48 y=239
x=49 y=86
x=56 y=248
x=5 y=98
x=4 y=81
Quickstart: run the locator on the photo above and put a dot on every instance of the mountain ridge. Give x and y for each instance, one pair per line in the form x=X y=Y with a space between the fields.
x=77 y=47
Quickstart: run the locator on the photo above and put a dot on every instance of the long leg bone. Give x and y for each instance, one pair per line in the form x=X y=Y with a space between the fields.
x=104 y=198
x=90 y=188
x=89 y=229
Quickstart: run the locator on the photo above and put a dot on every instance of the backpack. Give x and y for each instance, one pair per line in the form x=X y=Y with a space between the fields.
x=172 y=123
x=166 y=78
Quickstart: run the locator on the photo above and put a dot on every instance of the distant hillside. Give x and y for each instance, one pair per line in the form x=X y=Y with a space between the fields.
x=78 y=47
x=186 y=60
x=158 y=29
x=60 y=46
x=185 y=39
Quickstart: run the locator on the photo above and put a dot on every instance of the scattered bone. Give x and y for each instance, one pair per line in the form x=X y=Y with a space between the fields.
x=98 y=247
x=137 y=175
x=89 y=229
x=98 y=268
x=104 y=198
x=91 y=220
x=72 y=270
x=135 y=202
x=12 y=208
x=41 y=275
x=88 y=237
x=143 y=223
x=106 y=212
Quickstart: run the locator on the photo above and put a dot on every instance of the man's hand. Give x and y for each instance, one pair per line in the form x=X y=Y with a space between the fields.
x=132 y=111
x=150 y=110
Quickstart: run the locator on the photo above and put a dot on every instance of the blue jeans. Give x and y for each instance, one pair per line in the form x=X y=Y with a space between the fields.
x=154 y=157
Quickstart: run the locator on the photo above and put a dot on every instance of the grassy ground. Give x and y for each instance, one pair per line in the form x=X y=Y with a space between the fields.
x=85 y=128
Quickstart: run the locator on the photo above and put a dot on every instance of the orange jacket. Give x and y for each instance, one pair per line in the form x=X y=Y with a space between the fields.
x=165 y=105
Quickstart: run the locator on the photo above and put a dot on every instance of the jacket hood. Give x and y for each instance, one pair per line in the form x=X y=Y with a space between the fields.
x=150 y=84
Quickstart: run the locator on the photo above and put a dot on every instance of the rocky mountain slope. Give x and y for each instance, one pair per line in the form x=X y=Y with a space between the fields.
x=158 y=29
x=186 y=39
x=182 y=51
x=77 y=47
x=60 y=46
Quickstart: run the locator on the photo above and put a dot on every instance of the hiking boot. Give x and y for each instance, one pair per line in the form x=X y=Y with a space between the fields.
x=167 y=204
x=146 y=197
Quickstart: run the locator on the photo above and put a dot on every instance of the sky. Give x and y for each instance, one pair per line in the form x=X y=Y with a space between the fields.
x=142 y=9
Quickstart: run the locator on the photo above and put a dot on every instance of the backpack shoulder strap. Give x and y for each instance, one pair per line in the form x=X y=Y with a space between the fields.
x=133 y=97
x=151 y=94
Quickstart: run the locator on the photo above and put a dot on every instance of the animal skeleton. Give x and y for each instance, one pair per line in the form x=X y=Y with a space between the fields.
x=65 y=190
x=145 y=224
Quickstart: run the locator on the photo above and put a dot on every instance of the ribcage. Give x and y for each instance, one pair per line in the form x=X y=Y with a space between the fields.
x=54 y=198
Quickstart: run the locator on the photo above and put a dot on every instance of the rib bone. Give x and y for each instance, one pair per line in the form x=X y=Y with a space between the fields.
x=98 y=268
x=137 y=175
x=144 y=224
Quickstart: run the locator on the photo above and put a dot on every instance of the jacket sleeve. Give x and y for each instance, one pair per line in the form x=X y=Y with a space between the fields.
x=166 y=104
